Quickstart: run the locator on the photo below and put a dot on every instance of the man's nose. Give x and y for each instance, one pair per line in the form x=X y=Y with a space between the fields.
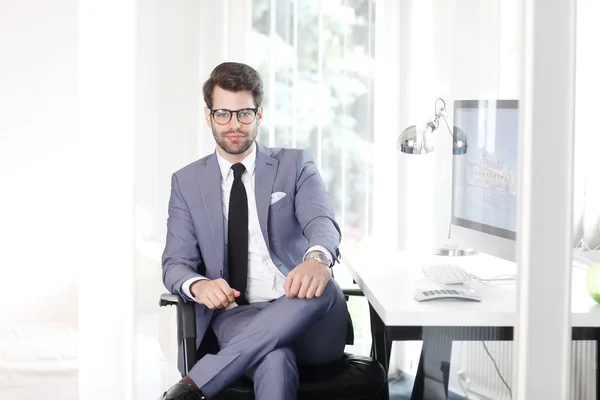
x=234 y=123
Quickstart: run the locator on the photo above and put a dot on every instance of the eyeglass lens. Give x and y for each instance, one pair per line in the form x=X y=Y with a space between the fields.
x=245 y=116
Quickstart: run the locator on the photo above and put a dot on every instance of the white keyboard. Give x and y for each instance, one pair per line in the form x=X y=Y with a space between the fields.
x=449 y=274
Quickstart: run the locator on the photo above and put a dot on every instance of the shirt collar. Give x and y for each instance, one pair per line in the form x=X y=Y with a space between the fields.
x=249 y=162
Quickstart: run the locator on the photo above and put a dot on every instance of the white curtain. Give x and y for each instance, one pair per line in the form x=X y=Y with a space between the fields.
x=179 y=42
x=38 y=159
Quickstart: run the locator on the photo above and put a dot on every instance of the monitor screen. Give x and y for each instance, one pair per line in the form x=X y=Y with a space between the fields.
x=484 y=180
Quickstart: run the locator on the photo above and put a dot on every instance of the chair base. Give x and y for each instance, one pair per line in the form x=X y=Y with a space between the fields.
x=352 y=378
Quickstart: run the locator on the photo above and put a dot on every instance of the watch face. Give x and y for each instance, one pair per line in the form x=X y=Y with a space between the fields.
x=320 y=258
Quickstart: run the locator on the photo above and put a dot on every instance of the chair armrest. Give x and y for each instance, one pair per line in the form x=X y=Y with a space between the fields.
x=168 y=299
x=186 y=326
x=347 y=293
x=352 y=292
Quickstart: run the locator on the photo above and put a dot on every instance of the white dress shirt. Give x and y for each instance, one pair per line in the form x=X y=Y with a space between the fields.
x=265 y=280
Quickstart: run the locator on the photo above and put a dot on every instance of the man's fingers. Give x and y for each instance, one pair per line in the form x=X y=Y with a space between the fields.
x=304 y=287
x=217 y=299
x=226 y=289
x=320 y=289
x=295 y=287
x=314 y=285
x=236 y=293
x=228 y=293
x=288 y=283
x=208 y=302
x=222 y=298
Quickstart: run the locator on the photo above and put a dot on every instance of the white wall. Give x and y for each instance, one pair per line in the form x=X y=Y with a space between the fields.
x=106 y=111
x=168 y=103
x=167 y=115
x=476 y=56
x=586 y=206
x=461 y=49
x=38 y=138
x=38 y=196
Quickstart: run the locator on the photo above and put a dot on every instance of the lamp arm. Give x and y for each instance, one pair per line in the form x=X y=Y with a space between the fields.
x=440 y=113
x=448 y=126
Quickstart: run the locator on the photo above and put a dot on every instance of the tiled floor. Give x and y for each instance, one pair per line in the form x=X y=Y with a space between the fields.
x=401 y=389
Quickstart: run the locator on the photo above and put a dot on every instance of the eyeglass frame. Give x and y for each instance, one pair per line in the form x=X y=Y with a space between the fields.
x=212 y=113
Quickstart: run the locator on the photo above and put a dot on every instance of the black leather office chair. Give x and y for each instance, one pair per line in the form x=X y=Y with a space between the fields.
x=351 y=378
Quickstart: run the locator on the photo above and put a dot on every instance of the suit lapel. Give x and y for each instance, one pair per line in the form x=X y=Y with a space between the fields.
x=266 y=169
x=209 y=178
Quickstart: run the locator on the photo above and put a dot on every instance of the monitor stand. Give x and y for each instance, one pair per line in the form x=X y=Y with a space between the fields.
x=453 y=250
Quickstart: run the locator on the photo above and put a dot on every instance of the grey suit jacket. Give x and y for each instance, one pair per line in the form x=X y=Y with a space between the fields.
x=195 y=244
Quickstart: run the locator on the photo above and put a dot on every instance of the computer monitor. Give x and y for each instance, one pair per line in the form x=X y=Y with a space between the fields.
x=484 y=180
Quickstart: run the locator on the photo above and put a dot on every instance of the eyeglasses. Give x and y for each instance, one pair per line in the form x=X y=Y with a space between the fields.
x=244 y=116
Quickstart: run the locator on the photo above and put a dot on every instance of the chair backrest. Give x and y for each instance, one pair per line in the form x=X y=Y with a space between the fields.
x=350 y=332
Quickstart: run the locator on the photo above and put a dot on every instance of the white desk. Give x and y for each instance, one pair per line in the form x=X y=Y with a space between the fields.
x=389 y=287
x=388 y=281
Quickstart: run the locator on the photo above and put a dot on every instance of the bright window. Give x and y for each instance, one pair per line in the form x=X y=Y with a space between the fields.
x=317 y=61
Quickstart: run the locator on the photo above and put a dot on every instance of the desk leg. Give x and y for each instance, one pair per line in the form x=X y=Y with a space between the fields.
x=418 y=392
x=381 y=347
x=433 y=373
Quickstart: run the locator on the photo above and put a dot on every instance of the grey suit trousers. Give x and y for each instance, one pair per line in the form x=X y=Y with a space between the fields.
x=266 y=341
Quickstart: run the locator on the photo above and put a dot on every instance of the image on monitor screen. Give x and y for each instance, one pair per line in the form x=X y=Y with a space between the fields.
x=484 y=180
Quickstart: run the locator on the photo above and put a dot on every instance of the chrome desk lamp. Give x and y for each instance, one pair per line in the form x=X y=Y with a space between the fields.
x=414 y=141
x=411 y=141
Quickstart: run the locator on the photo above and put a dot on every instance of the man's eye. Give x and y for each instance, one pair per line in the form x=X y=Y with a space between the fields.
x=244 y=113
x=222 y=113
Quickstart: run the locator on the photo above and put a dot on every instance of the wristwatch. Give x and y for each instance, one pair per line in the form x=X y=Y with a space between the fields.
x=319 y=256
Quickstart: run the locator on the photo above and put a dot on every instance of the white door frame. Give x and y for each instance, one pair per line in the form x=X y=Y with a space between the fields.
x=543 y=331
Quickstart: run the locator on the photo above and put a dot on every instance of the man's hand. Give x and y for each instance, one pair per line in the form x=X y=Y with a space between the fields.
x=213 y=293
x=307 y=280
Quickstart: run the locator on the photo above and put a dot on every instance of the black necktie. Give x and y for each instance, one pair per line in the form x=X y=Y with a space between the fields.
x=237 y=234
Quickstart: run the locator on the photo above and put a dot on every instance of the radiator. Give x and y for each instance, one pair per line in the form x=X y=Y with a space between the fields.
x=476 y=368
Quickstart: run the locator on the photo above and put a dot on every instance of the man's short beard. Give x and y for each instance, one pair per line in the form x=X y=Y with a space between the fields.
x=242 y=148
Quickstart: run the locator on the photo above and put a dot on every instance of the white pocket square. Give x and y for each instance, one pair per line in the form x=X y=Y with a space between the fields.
x=275 y=197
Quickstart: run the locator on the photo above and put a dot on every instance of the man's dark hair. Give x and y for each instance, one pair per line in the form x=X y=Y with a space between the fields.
x=234 y=77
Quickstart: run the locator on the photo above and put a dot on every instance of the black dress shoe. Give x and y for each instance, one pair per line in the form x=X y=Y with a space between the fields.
x=183 y=391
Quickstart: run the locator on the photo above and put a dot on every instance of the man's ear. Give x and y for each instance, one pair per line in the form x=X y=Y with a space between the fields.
x=207 y=116
x=259 y=115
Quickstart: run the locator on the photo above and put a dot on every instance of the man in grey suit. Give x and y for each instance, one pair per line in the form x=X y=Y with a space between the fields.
x=251 y=237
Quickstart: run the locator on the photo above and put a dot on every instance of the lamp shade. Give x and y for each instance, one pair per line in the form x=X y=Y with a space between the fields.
x=459 y=142
x=410 y=142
